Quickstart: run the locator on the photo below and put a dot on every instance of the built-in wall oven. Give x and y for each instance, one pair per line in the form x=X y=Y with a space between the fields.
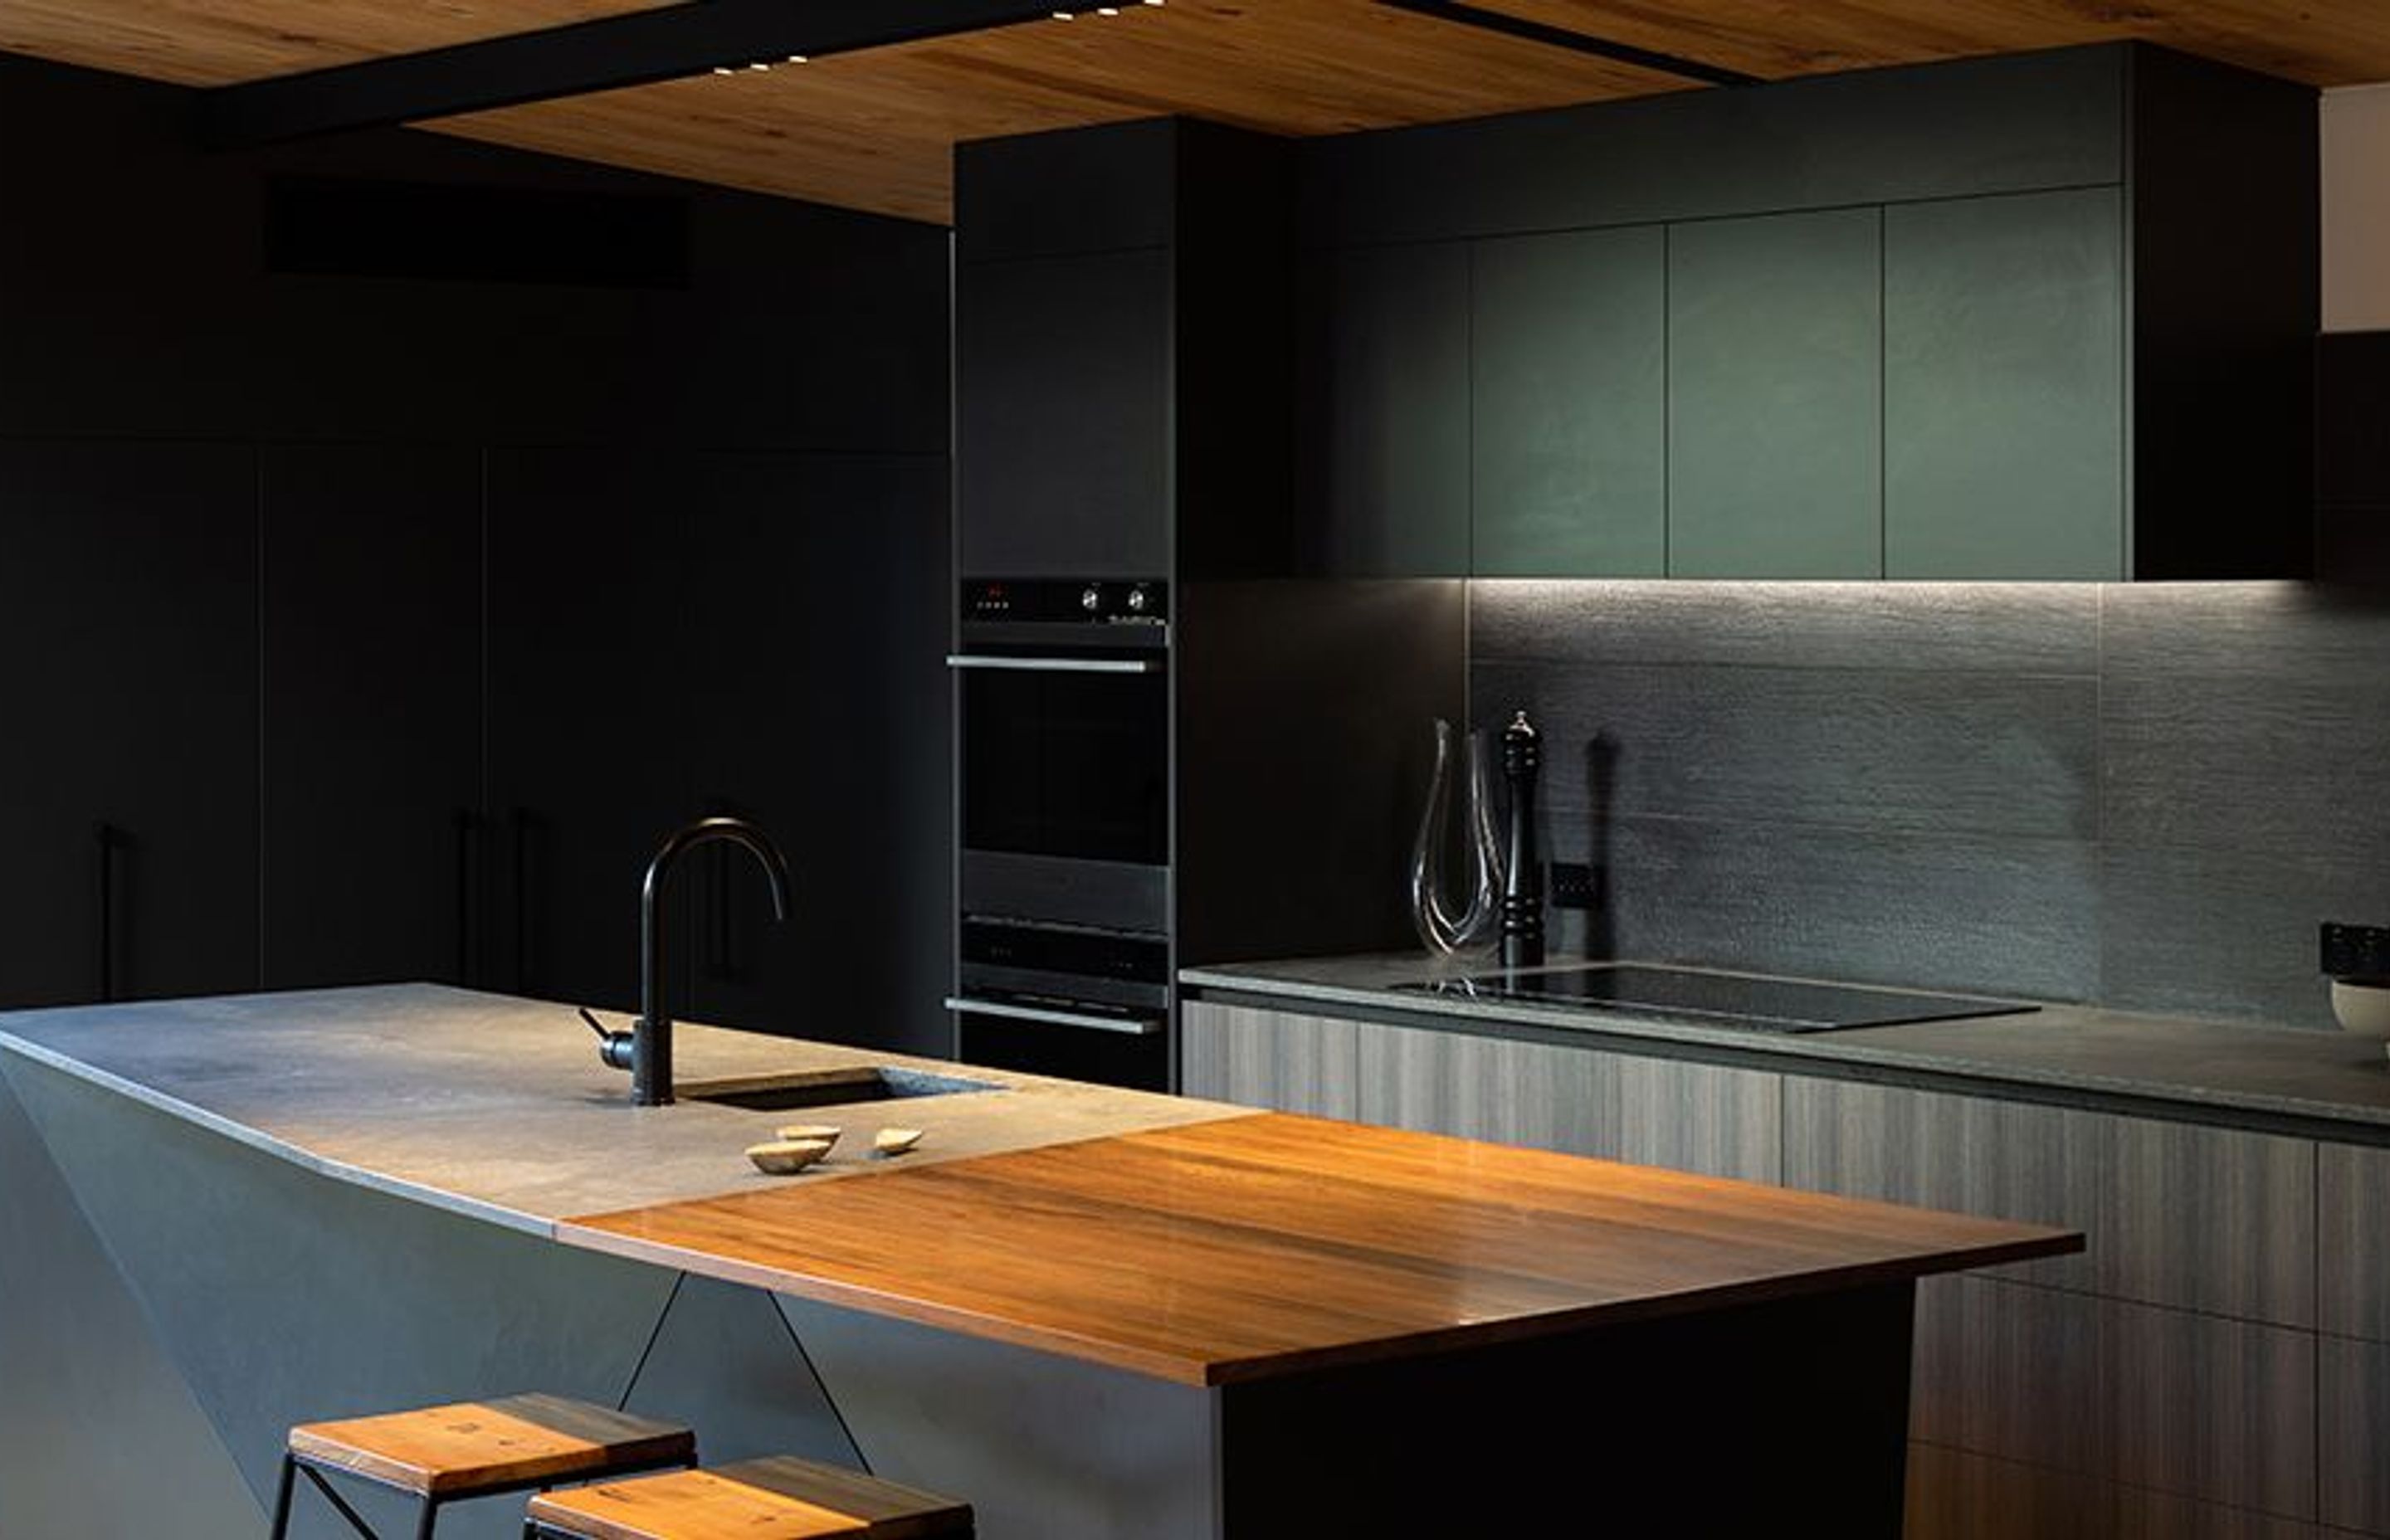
x=1063 y=724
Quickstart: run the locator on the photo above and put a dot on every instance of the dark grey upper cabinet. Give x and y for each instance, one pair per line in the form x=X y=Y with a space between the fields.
x=372 y=844
x=2043 y=317
x=2004 y=377
x=128 y=612
x=1775 y=402
x=1384 y=435
x=1568 y=404
x=1062 y=366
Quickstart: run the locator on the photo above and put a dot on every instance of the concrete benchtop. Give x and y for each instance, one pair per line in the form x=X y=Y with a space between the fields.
x=1180 y=1240
x=498 y=1108
x=2317 y=1084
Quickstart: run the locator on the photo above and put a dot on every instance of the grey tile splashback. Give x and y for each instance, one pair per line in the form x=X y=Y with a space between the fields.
x=2143 y=796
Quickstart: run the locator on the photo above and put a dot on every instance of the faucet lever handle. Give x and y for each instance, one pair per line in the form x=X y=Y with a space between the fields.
x=614 y=1047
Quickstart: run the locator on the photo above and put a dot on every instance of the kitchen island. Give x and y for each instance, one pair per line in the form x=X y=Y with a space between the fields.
x=1088 y=1312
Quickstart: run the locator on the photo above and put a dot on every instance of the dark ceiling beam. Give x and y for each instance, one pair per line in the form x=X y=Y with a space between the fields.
x=638 y=49
x=1583 y=43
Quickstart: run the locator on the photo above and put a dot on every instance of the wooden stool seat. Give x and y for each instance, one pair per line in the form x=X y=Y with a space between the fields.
x=442 y=1454
x=503 y=1444
x=781 y=1498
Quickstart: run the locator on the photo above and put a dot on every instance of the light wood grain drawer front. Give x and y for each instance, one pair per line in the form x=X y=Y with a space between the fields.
x=1956 y=1494
x=2204 y=1218
x=2355 y=1434
x=1703 y=1117
x=1490 y=1088
x=1276 y=1060
x=2353 y=1241
x=2176 y=1402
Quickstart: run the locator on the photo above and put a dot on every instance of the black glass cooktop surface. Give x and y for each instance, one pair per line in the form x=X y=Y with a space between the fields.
x=1731 y=999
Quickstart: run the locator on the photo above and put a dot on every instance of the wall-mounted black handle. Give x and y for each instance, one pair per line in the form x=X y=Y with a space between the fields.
x=106 y=841
x=519 y=827
x=469 y=830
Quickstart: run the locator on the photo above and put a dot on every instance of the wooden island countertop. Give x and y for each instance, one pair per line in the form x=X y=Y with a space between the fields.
x=1247 y=1247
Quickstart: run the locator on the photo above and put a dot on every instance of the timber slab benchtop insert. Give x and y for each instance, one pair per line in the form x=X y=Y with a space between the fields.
x=1264 y=1244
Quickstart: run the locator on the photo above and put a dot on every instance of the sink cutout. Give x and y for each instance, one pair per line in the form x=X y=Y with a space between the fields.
x=828 y=1088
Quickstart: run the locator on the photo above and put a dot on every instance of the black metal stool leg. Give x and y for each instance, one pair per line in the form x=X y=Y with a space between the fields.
x=282 y=1498
x=431 y=1516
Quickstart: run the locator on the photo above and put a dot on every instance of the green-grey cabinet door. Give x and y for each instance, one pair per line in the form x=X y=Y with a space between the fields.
x=1385 y=397
x=2004 y=381
x=1568 y=371
x=1775 y=398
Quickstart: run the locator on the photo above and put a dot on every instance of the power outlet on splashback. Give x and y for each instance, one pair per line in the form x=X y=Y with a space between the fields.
x=2355 y=951
x=1574 y=886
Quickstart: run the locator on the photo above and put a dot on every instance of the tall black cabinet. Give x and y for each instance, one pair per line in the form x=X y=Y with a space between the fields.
x=1124 y=329
x=128 y=782
x=370 y=562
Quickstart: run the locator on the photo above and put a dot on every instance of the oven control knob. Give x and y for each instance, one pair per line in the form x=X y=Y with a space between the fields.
x=1137 y=601
x=1091 y=598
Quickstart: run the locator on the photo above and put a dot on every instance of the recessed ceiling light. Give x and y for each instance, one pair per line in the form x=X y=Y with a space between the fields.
x=724 y=69
x=1061 y=16
x=759 y=64
x=1107 y=10
x=798 y=58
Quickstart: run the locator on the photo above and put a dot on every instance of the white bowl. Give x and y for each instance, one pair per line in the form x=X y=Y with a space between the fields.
x=2363 y=1007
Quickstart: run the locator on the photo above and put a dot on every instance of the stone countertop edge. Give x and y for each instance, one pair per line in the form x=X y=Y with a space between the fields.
x=298 y=1155
x=2355 y=1094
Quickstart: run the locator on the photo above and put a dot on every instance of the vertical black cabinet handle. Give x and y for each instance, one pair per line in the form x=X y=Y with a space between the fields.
x=519 y=825
x=105 y=840
x=469 y=827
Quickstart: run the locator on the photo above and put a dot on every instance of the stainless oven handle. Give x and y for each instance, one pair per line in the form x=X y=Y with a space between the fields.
x=1054 y=665
x=1136 y=1027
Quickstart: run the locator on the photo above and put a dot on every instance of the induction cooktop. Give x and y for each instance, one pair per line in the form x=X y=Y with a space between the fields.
x=1730 y=999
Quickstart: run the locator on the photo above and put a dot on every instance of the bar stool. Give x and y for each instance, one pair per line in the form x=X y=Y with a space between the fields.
x=442 y=1454
x=779 y=1498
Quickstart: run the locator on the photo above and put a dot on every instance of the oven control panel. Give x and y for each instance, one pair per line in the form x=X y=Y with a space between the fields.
x=1105 y=601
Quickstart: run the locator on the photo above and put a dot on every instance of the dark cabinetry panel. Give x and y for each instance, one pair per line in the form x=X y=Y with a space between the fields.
x=819 y=696
x=128 y=612
x=1384 y=404
x=587 y=711
x=1070 y=191
x=1775 y=405
x=2003 y=365
x=1568 y=404
x=2015 y=124
x=372 y=772
x=1064 y=378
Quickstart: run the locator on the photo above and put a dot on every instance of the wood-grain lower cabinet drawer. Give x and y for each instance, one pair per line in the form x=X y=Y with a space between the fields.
x=2353 y=1241
x=2180 y=1215
x=2170 y=1400
x=1496 y=1088
x=1956 y=1494
x=1712 y=1120
x=2354 y=1434
x=1281 y=1061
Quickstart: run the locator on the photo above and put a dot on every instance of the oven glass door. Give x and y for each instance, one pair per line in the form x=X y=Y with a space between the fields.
x=1062 y=761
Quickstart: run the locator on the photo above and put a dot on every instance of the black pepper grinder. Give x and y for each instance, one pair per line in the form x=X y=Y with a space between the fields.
x=1522 y=884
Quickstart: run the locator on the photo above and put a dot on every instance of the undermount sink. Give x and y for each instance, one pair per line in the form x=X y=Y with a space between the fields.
x=792 y=1092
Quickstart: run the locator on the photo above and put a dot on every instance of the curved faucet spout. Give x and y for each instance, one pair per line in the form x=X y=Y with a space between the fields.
x=651 y=1065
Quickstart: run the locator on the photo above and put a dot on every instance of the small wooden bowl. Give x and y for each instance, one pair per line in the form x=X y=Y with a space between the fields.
x=895 y=1141
x=787 y=1157
x=827 y=1133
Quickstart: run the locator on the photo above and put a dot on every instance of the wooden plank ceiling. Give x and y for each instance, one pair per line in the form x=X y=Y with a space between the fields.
x=874 y=129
